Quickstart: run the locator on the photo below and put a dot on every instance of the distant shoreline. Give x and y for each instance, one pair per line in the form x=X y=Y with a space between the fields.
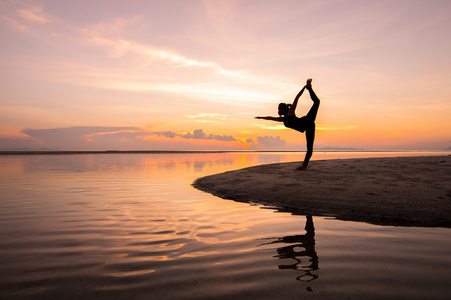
x=59 y=152
x=51 y=152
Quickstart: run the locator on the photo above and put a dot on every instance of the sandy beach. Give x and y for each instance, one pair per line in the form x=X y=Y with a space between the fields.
x=404 y=191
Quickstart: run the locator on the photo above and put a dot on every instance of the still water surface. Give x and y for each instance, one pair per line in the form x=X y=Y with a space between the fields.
x=132 y=226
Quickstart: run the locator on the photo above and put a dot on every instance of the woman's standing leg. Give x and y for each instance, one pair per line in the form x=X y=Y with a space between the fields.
x=310 y=137
x=310 y=133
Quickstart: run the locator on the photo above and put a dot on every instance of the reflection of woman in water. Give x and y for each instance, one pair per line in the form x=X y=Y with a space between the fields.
x=301 y=246
x=306 y=123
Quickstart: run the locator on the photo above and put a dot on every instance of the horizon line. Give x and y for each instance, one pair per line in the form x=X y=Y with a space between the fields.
x=50 y=152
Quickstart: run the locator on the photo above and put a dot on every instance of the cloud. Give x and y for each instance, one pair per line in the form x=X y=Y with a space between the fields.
x=271 y=141
x=106 y=138
x=81 y=137
x=109 y=36
x=172 y=69
x=32 y=14
x=169 y=134
x=19 y=143
x=207 y=115
x=275 y=127
x=135 y=60
x=199 y=134
x=21 y=15
x=78 y=131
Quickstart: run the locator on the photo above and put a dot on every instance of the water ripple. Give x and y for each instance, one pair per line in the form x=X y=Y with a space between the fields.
x=133 y=227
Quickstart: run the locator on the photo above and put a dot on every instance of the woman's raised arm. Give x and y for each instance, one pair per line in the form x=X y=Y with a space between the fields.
x=295 y=103
x=278 y=119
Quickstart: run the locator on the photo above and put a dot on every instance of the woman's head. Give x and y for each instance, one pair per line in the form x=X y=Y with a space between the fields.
x=283 y=109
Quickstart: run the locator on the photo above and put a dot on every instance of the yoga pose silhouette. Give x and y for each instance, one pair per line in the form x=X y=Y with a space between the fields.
x=305 y=123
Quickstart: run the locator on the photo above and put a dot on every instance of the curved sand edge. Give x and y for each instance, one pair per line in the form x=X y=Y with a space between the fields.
x=400 y=191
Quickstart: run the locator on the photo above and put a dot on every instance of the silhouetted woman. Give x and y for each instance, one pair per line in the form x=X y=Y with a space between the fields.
x=305 y=123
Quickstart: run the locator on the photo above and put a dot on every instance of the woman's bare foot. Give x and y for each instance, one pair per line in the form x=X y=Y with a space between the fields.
x=309 y=83
x=303 y=167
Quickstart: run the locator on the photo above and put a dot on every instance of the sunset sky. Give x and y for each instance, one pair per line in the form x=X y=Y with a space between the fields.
x=191 y=75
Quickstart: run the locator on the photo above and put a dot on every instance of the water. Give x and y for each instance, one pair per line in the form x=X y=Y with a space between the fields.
x=132 y=226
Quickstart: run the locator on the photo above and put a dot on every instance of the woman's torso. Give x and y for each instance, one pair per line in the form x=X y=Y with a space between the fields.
x=299 y=124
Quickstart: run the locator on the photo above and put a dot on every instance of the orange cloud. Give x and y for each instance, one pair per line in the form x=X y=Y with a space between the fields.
x=109 y=36
x=33 y=14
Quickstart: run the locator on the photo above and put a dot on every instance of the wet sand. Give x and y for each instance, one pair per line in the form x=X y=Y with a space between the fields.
x=397 y=191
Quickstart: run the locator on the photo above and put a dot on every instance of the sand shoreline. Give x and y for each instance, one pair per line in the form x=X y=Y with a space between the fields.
x=398 y=191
